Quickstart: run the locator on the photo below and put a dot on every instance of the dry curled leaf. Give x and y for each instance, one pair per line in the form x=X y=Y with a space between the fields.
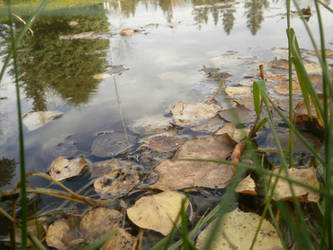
x=305 y=175
x=194 y=114
x=237 y=231
x=98 y=222
x=62 y=168
x=157 y=212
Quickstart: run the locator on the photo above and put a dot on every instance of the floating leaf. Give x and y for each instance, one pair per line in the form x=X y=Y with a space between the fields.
x=209 y=126
x=151 y=124
x=64 y=234
x=240 y=90
x=247 y=186
x=120 y=240
x=62 y=168
x=237 y=231
x=117 y=183
x=157 y=212
x=108 y=145
x=98 y=222
x=35 y=120
x=164 y=143
x=129 y=32
x=101 y=168
x=237 y=134
x=176 y=175
x=283 y=88
x=194 y=114
x=304 y=175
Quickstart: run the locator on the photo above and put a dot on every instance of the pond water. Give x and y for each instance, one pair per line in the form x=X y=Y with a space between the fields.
x=163 y=65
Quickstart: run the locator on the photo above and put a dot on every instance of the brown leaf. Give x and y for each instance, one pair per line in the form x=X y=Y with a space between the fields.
x=62 y=168
x=176 y=175
x=237 y=231
x=194 y=114
x=164 y=143
x=120 y=240
x=236 y=155
x=63 y=234
x=304 y=175
x=102 y=168
x=283 y=88
x=157 y=212
x=98 y=222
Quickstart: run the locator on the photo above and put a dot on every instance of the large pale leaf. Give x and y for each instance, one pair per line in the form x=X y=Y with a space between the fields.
x=62 y=168
x=157 y=212
x=194 y=114
x=237 y=231
x=305 y=175
x=98 y=222
x=35 y=120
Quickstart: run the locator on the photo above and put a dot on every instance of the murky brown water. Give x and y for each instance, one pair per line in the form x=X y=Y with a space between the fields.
x=163 y=61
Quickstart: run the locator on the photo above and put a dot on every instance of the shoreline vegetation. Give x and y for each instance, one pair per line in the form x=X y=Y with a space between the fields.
x=259 y=203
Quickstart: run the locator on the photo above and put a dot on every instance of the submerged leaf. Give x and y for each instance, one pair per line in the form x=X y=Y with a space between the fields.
x=151 y=124
x=238 y=114
x=62 y=168
x=194 y=114
x=157 y=212
x=98 y=222
x=304 y=175
x=164 y=143
x=35 y=120
x=237 y=231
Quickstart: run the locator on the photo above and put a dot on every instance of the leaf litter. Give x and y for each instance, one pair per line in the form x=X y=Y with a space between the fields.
x=62 y=168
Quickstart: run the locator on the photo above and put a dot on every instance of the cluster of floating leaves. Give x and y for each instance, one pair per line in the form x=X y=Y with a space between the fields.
x=116 y=178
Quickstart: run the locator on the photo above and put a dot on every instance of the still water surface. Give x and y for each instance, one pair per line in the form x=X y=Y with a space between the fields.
x=163 y=63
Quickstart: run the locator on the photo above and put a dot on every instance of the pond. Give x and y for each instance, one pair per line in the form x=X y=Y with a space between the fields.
x=103 y=66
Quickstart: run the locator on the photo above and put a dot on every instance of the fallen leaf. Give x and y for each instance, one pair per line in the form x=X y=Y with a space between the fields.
x=194 y=114
x=98 y=222
x=216 y=147
x=102 y=168
x=120 y=240
x=157 y=212
x=35 y=120
x=246 y=186
x=64 y=234
x=129 y=32
x=237 y=154
x=242 y=114
x=237 y=230
x=283 y=88
x=117 y=183
x=164 y=143
x=109 y=145
x=177 y=175
x=241 y=90
x=62 y=168
x=237 y=134
x=151 y=124
x=303 y=175
x=209 y=126
x=313 y=68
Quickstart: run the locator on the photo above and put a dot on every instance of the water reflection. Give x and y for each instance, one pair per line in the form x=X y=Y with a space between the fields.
x=67 y=67
x=254 y=10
